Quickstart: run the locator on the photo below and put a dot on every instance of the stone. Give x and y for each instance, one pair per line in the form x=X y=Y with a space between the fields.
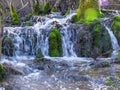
x=11 y=69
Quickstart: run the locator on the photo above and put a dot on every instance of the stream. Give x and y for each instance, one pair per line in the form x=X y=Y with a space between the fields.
x=57 y=73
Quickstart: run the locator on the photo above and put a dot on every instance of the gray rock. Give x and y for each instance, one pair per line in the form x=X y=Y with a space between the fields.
x=11 y=69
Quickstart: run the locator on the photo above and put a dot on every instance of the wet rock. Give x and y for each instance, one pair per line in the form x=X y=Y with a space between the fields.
x=91 y=41
x=79 y=77
x=8 y=46
x=11 y=69
x=54 y=65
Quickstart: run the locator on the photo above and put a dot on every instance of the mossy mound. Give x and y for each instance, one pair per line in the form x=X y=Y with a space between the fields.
x=2 y=72
x=55 y=43
x=91 y=14
x=88 y=10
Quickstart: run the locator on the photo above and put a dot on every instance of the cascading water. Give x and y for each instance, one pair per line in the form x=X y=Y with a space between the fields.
x=29 y=40
x=114 y=41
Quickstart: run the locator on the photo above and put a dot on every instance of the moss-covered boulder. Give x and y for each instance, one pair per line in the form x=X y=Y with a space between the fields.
x=116 y=27
x=88 y=10
x=101 y=40
x=55 y=43
x=91 y=40
x=2 y=72
x=7 y=46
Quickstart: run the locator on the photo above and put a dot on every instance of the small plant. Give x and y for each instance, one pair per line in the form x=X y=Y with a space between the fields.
x=2 y=72
x=105 y=64
x=39 y=54
x=36 y=9
x=14 y=15
x=47 y=8
x=109 y=81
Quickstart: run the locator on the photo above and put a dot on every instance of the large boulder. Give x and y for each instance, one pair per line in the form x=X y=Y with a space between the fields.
x=91 y=41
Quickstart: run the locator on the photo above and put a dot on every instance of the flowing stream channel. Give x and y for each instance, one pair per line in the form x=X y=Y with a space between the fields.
x=63 y=72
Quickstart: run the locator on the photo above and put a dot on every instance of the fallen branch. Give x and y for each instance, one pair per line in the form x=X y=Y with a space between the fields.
x=23 y=7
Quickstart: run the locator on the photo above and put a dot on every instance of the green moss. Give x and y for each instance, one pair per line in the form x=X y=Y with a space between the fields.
x=14 y=15
x=116 y=25
x=2 y=72
x=55 y=43
x=47 y=8
x=74 y=18
x=39 y=54
x=87 y=11
x=97 y=35
x=90 y=14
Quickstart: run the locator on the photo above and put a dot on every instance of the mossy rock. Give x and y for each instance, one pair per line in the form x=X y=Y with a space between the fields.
x=2 y=72
x=101 y=40
x=87 y=11
x=116 y=25
x=55 y=43
x=91 y=14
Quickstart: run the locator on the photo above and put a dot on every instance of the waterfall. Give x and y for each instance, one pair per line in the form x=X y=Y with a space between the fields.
x=114 y=41
x=28 y=40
